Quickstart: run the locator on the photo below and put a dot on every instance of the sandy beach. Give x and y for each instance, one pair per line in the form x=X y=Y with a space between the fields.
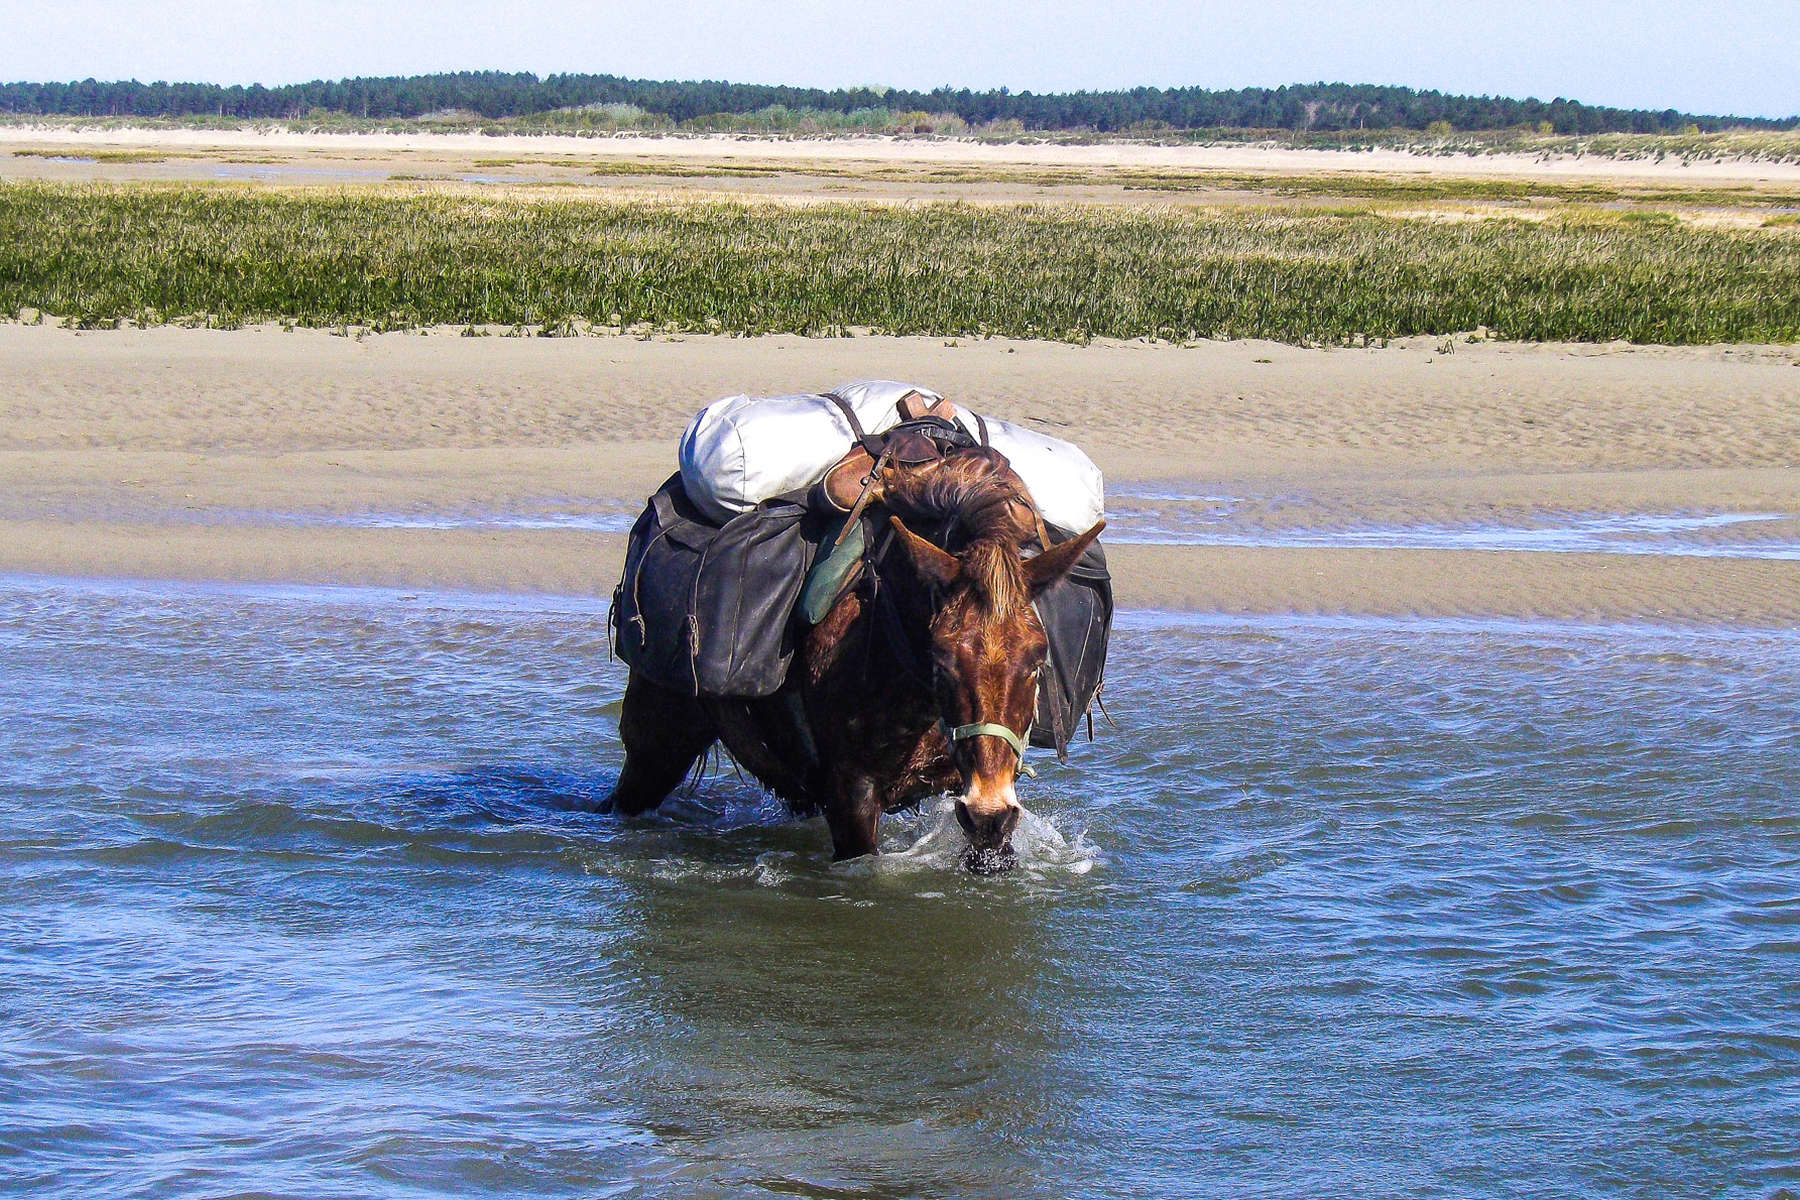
x=421 y=460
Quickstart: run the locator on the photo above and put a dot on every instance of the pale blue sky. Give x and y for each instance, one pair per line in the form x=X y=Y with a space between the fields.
x=1700 y=57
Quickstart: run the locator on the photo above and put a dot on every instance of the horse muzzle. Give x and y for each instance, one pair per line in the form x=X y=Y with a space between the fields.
x=989 y=829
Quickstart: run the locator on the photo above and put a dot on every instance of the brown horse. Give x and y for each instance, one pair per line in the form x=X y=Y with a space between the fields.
x=921 y=678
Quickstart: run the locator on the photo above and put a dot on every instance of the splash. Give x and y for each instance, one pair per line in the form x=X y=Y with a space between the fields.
x=930 y=839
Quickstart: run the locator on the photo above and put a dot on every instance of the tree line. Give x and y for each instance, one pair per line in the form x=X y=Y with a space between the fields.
x=1330 y=107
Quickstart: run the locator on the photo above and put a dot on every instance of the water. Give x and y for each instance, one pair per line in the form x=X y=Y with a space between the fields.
x=268 y=172
x=1194 y=519
x=1174 y=519
x=299 y=899
x=592 y=520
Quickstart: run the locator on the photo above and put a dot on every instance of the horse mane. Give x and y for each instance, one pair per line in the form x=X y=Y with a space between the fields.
x=993 y=569
x=973 y=493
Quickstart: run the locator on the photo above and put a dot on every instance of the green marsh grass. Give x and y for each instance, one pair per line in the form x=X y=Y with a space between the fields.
x=96 y=255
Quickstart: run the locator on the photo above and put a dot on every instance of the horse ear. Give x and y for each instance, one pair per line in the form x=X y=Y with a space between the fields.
x=1050 y=566
x=935 y=566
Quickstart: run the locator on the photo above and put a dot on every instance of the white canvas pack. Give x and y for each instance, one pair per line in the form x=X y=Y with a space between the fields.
x=740 y=451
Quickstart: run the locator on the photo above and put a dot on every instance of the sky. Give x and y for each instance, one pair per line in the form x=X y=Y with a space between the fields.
x=1717 y=57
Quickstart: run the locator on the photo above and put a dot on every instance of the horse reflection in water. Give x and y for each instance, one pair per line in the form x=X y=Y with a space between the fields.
x=920 y=680
x=796 y=1040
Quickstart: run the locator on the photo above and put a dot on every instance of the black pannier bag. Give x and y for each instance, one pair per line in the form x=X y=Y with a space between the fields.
x=1077 y=613
x=707 y=609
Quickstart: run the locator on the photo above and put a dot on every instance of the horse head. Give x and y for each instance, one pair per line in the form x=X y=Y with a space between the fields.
x=987 y=646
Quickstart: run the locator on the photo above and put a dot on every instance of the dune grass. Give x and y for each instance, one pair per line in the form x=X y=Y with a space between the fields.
x=393 y=258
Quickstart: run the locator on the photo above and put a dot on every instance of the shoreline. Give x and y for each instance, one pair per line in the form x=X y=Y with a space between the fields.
x=1746 y=620
x=1227 y=581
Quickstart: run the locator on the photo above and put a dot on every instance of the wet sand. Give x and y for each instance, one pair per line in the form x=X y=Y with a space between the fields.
x=196 y=454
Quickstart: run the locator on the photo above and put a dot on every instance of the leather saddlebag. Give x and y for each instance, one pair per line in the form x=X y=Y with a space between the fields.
x=707 y=609
x=1077 y=613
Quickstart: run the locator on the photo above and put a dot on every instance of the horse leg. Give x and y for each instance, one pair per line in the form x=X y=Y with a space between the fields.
x=853 y=813
x=664 y=732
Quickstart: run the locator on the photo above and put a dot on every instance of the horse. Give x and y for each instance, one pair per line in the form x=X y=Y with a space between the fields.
x=921 y=678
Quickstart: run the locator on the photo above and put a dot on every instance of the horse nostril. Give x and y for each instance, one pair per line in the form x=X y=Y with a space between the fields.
x=964 y=819
x=1010 y=821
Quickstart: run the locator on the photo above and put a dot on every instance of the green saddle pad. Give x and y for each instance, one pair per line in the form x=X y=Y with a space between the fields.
x=832 y=572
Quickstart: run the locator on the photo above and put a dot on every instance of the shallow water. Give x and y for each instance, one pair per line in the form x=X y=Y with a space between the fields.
x=1191 y=519
x=299 y=899
x=274 y=171
x=1221 y=521
x=595 y=520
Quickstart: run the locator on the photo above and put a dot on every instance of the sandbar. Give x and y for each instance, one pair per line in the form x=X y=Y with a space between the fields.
x=260 y=455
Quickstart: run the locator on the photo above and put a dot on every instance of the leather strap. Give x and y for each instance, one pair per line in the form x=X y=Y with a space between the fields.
x=862 y=499
x=872 y=444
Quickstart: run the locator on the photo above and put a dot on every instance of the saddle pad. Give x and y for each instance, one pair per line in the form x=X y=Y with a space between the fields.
x=833 y=572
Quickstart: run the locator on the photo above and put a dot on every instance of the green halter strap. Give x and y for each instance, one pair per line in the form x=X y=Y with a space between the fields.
x=989 y=729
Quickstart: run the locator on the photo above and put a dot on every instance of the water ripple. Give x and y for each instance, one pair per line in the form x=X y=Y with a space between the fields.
x=304 y=894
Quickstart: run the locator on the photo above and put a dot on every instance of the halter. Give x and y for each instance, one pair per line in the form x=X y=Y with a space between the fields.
x=963 y=733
